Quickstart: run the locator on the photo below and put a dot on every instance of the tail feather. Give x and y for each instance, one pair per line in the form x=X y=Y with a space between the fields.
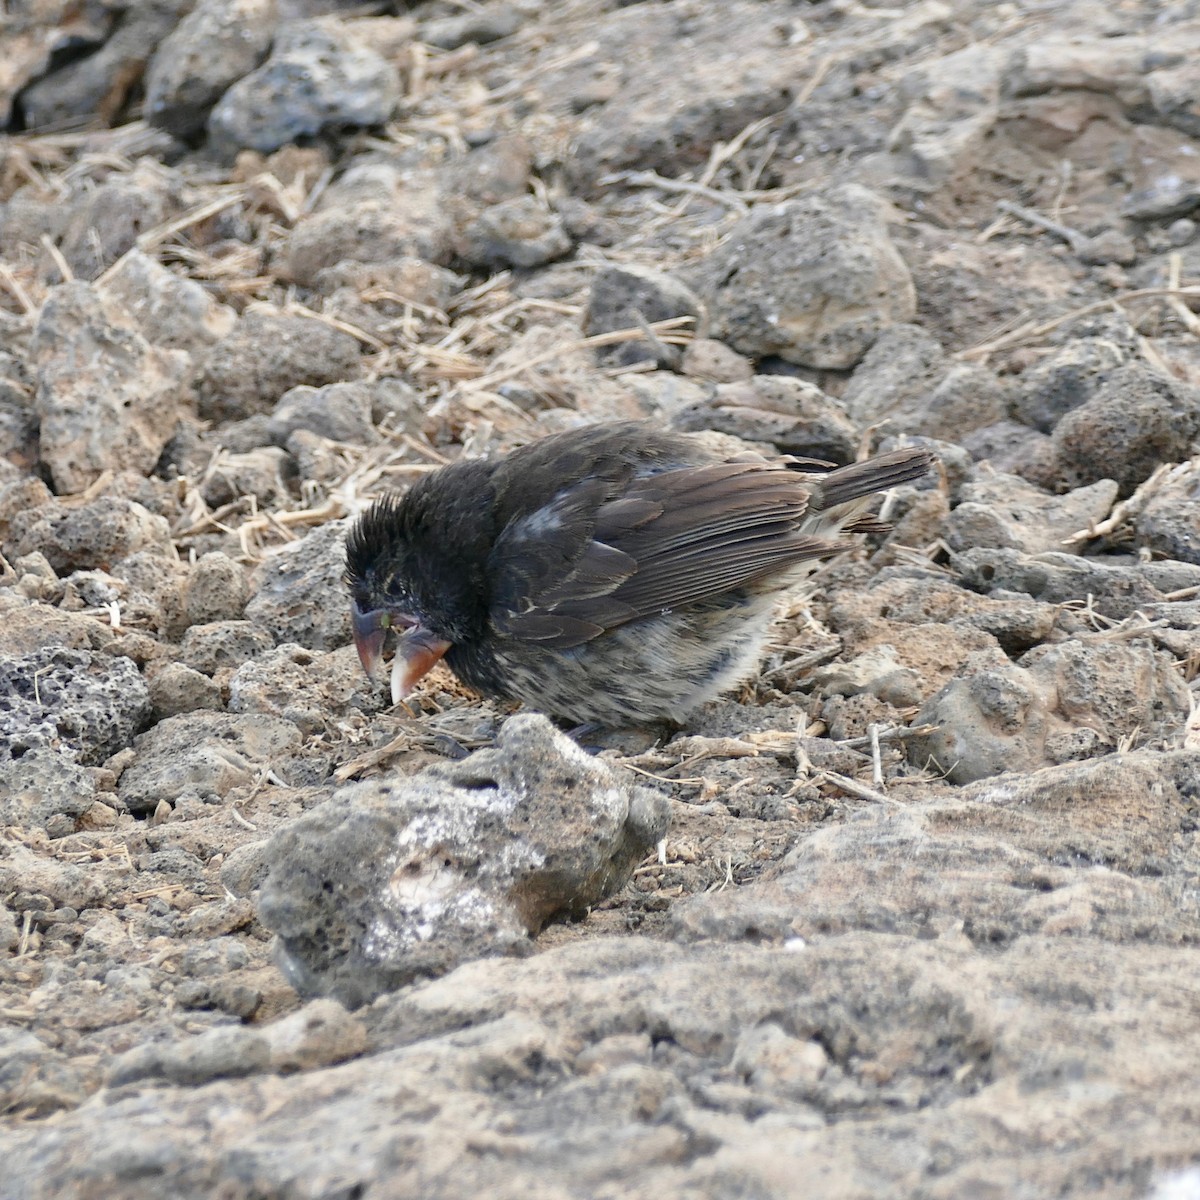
x=873 y=475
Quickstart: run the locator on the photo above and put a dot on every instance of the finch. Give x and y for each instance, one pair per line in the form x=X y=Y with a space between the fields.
x=615 y=575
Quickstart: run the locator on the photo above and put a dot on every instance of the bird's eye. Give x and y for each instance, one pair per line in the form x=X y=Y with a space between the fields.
x=394 y=589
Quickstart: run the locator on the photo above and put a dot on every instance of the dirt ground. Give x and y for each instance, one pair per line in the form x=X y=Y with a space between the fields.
x=926 y=919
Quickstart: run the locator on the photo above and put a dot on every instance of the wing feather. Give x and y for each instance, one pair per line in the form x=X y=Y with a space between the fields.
x=577 y=567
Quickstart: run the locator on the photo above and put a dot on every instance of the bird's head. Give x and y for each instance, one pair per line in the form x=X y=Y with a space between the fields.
x=403 y=577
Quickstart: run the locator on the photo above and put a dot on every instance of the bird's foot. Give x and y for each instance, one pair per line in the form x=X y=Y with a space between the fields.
x=588 y=730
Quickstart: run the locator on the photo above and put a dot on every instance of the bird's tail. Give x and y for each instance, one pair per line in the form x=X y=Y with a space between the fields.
x=846 y=484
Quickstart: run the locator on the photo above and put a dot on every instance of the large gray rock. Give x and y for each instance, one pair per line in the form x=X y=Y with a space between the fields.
x=906 y=383
x=392 y=880
x=317 y=77
x=1067 y=701
x=339 y=411
x=218 y=646
x=306 y=687
x=813 y=280
x=102 y=221
x=204 y=755
x=216 y=590
x=87 y=703
x=518 y=232
x=171 y=310
x=1068 y=378
x=34 y=1077
x=396 y=220
x=98 y=534
x=1138 y=419
x=1005 y=510
x=213 y=47
x=875 y=1063
x=177 y=689
x=107 y=399
x=1169 y=524
x=792 y=414
x=643 y=110
x=1116 y=590
x=626 y=296
x=45 y=789
x=298 y=592
x=952 y=101
x=93 y=86
x=265 y=354
x=319 y=1034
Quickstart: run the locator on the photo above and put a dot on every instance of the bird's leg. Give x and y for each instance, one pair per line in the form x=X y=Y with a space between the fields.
x=584 y=730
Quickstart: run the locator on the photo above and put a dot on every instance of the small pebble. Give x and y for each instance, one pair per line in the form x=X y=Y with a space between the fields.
x=1181 y=232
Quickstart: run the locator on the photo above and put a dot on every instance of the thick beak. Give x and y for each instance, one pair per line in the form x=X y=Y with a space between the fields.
x=417 y=649
x=370 y=628
x=416 y=652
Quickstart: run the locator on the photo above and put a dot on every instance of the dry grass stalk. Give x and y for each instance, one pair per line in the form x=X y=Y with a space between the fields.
x=1031 y=331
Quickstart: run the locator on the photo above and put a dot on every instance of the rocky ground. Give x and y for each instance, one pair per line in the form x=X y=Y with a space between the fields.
x=926 y=921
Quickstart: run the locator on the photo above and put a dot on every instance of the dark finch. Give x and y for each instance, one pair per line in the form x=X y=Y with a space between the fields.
x=613 y=574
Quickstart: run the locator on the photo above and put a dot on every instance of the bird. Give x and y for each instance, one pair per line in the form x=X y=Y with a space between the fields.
x=614 y=575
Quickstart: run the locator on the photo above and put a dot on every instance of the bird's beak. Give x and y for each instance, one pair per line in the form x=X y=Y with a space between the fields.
x=370 y=628
x=417 y=648
x=416 y=652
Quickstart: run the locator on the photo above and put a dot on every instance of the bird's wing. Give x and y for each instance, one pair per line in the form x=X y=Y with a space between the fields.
x=591 y=560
